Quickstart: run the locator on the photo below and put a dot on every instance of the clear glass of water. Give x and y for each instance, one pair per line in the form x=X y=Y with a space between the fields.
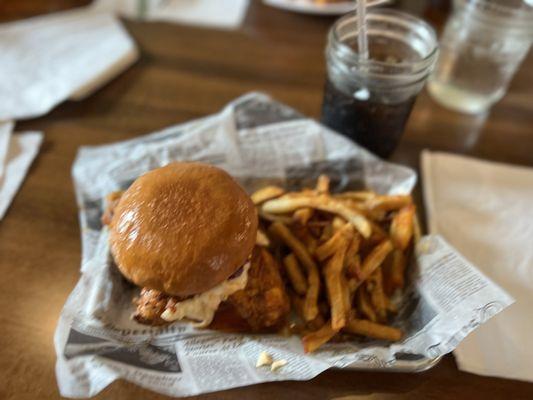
x=481 y=48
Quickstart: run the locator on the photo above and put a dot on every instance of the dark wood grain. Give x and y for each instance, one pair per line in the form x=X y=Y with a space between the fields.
x=186 y=72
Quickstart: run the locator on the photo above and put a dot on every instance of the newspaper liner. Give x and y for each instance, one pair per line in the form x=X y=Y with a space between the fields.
x=258 y=141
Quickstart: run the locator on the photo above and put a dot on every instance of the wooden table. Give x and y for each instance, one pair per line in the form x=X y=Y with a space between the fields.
x=184 y=73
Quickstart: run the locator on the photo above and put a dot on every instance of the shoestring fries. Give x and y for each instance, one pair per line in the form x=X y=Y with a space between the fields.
x=343 y=257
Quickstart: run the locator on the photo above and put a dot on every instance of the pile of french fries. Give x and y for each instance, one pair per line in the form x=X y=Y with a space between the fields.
x=343 y=255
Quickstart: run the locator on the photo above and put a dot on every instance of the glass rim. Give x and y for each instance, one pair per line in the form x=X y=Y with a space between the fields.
x=395 y=17
x=503 y=8
x=489 y=11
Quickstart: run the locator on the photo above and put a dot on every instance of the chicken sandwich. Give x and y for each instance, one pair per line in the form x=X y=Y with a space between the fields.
x=186 y=235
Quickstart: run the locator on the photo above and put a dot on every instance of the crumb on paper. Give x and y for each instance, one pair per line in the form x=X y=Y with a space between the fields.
x=263 y=359
x=277 y=365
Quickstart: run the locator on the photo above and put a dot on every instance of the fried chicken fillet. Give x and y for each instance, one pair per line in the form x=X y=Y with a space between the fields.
x=263 y=303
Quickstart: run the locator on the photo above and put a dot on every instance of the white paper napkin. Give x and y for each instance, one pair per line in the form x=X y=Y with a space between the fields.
x=485 y=210
x=219 y=13
x=5 y=134
x=17 y=152
x=48 y=59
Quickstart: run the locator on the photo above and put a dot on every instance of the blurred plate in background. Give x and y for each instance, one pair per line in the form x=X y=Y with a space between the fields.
x=319 y=7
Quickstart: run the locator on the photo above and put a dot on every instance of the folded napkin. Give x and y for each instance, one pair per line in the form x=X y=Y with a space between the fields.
x=17 y=152
x=220 y=13
x=485 y=210
x=5 y=135
x=48 y=59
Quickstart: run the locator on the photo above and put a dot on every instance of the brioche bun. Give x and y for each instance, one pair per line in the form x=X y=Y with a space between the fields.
x=182 y=229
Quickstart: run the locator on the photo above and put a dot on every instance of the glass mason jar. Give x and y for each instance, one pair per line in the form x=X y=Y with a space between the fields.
x=482 y=45
x=369 y=100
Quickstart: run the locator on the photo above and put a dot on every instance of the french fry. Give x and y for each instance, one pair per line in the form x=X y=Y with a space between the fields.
x=352 y=261
x=398 y=265
x=375 y=258
x=378 y=233
x=313 y=278
x=352 y=286
x=401 y=228
x=337 y=223
x=353 y=246
x=326 y=234
x=386 y=269
x=314 y=340
x=335 y=287
x=376 y=214
x=285 y=219
x=354 y=205
x=303 y=192
x=266 y=193
x=298 y=303
x=311 y=244
x=295 y=274
x=377 y=294
x=322 y=184
x=373 y=330
x=391 y=307
x=353 y=268
x=362 y=195
x=289 y=203
x=364 y=306
x=308 y=239
x=303 y=215
x=318 y=224
x=328 y=248
x=388 y=203
x=262 y=239
x=315 y=229
x=300 y=231
x=317 y=323
x=347 y=298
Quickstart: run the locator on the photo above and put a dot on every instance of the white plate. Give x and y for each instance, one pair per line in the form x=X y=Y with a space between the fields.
x=312 y=7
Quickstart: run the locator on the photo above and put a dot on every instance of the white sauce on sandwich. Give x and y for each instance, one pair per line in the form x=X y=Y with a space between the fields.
x=202 y=307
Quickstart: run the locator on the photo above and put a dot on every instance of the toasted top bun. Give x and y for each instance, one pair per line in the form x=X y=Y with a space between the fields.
x=182 y=229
